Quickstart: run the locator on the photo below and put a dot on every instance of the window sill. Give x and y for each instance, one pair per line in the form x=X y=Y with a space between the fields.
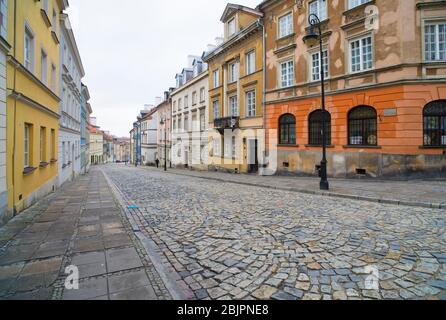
x=433 y=147
x=43 y=164
x=330 y=146
x=286 y=37
x=361 y=147
x=288 y=145
x=55 y=38
x=53 y=161
x=28 y=170
x=45 y=18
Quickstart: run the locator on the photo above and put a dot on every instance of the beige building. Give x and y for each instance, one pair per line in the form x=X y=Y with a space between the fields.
x=190 y=116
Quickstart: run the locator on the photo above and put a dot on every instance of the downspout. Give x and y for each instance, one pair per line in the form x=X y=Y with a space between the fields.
x=264 y=94
x=15 y=112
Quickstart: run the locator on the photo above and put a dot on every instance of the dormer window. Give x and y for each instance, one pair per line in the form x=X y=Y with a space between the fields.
x=231 y=27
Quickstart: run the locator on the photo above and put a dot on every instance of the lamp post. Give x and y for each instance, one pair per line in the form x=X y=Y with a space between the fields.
x=311 y=39
x=164 y=123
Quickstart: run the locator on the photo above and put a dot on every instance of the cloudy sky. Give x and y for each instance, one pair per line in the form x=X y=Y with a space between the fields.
x=132 y=50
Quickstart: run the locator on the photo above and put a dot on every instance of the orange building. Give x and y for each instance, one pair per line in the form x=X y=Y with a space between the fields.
x=385 y=90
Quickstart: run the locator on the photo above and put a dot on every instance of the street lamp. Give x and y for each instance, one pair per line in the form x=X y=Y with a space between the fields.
x=311 y=39
x=164 y=122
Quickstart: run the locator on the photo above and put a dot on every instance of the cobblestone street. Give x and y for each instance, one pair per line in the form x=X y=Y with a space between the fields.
x=140 y=233
x=220 y=240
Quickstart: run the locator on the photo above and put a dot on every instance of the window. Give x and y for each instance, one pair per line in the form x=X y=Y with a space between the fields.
x=53 y=144
x=174 y=124
x=287 y=128
x=27 y=145
x=217 y=147
x=231 y=27
x=54 y=24
x=194 y=98
x=29 y=50
x=202 y=121
x=42 y=144
x=361 y=54
x=287 y=74
x=186 y=123
x=234 y=148
x=233 y=72
x=174 y=106
x=434 y=115
x=362 y=126
x=251 y=62
x=285 y=25
x=251 y=104
x=53 y=77
x=435 y=41
x=186 y=102
x=43 y=67
x=315 y=65
x=216 y=109
x=233 y=105
x=319 y=8
x=316 y=121
x=179 y=125
x=202 y=95
x=355 y=3
x=215 y=79
x=180 y=106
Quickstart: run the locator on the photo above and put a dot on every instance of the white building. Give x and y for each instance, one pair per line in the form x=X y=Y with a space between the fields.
x=72 y=73
x=190 y=116
x=4 y=48
x=149 y=137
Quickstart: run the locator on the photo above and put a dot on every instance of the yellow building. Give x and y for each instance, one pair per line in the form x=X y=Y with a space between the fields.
x=32 y=100
x=236 y=92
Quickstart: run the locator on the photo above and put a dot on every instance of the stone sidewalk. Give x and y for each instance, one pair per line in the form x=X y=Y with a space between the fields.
x=415 y=193
x=80 y=225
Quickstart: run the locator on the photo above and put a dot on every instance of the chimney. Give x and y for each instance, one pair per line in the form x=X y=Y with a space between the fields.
x=219 y=41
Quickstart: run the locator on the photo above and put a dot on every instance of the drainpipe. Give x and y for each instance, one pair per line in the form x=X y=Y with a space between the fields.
x=15 y=112
x=264 y=92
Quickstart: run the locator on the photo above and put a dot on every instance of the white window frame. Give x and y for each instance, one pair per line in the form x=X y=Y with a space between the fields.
x=356 y=3
x=251 y=107
x=361 y=53
x=216 y=146
x=30 y=64
x=232 y=27
x=250 y=59
x=435 y=23
x=202 y=94
x=53 y=77
x=291 y=79
x=287 y=29
x=43 y=66
x=233 y=72
x=321 y=9
x=234 y=147
x=42 y=144
x=216 y=114
x=26 y=145
x=216 y=78
x=234 y=106
x=312 y=66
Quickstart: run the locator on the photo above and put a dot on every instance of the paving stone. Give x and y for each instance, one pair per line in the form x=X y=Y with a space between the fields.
x=122 y=259
x=264 y=292
x=283 y=296
x=127 y=281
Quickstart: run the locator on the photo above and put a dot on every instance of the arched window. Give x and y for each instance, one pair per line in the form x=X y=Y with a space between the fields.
x=315 y=123
x=362 y=126
x=434 y=118
x=287 y=128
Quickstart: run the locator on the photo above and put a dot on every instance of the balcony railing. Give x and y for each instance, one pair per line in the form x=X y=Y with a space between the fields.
x=222 y=124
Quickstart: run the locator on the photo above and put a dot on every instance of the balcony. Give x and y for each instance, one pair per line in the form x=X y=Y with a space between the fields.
x=221 y=124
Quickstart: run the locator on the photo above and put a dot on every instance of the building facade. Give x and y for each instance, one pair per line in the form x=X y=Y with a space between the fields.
x=149 y=136
x=122 y=150
x=71 y=74
x=96 y=146
x=86 y=112
x=33 y=100
x=235 y=93
x=386 y=87
x=4 y=50
x=165 y=130
x=108 y=147
x=190 y=116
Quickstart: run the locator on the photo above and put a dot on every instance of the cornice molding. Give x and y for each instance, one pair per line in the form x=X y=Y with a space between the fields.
x=25 y=99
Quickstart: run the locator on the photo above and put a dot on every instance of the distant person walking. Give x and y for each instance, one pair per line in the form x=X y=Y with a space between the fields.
x=157 y=161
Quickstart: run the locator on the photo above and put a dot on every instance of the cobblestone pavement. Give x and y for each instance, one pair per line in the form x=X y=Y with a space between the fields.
x=218 y=240
x=418 y=193
x=80 y=225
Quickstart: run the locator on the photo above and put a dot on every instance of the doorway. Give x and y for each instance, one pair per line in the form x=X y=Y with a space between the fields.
x=253 y=157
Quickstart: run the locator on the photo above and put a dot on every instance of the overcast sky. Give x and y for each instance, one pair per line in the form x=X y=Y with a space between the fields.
x=131 y=50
